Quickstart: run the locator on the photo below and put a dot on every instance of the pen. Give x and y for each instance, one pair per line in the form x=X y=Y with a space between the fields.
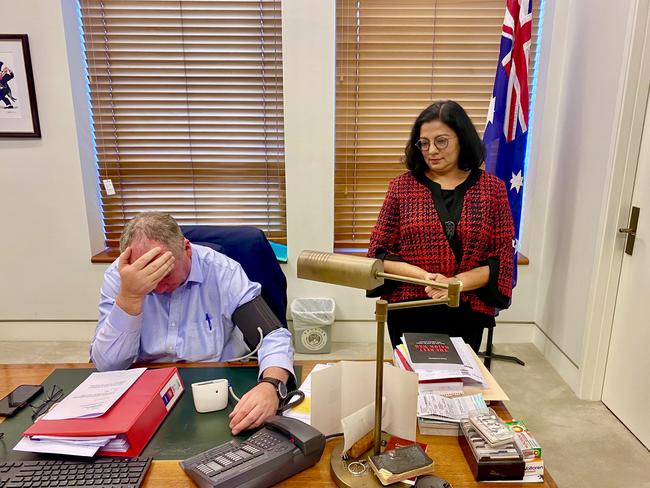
x=207 y=317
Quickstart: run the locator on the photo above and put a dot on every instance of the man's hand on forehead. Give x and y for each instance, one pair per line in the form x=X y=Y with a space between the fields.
x=148 y=257
x=143 y=275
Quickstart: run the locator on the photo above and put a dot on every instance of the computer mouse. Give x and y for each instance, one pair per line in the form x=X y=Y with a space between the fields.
x=431 y=481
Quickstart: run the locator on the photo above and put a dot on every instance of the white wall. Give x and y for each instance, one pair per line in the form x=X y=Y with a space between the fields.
x=577 y=118
x=45 y=251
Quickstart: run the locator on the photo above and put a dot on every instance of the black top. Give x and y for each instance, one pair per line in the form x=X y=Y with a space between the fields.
x=449 y=205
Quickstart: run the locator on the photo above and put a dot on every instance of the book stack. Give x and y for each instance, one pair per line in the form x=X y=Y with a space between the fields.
x=444 y=366
x=428 y=426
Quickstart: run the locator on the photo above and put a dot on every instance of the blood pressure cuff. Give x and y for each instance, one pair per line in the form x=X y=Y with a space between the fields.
x=252 y=315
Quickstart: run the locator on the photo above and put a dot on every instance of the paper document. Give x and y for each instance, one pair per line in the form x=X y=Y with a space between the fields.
x=302 y=411
x=359 y=423
x=349 y=386
x=469 y=371
x=28 y=445
x=95 y=395
x=79 y=441
x=456 y=409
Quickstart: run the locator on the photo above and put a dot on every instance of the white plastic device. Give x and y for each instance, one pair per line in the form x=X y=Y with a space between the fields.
x=210 y=396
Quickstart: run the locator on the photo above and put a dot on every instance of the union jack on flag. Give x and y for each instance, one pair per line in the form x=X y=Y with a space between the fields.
x=506 y=131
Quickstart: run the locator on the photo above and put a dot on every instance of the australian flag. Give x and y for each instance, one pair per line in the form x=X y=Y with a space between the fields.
x=506 y=130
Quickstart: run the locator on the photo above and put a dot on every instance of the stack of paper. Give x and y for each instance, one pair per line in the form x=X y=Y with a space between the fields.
x=438 y=407
x=443 y=378
x=75 y=446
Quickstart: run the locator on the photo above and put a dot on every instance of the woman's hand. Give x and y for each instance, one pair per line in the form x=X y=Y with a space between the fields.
x=434 y=292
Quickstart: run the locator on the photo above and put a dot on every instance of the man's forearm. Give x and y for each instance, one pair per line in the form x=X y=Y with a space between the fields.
x=117 y=337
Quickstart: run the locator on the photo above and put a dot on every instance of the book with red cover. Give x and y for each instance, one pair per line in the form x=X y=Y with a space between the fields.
x=427 y=350
x=137 y=414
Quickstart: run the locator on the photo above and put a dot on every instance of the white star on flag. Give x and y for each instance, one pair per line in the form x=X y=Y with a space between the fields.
x=516 y=181
x=515 y=244
x=490 y=116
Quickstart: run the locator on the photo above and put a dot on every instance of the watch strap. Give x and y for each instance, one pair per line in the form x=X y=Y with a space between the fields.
x=276 y=383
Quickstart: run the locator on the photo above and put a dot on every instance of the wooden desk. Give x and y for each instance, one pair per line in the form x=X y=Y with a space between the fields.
x=449 y=460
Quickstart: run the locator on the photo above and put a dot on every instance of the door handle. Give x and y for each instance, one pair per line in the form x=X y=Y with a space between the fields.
x=631 y=230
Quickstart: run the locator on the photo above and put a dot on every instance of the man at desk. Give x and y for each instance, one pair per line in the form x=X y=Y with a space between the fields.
x=165 y=300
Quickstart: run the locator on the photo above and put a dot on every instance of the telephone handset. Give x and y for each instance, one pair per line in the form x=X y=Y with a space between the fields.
x=281 y=448
x=305 y=437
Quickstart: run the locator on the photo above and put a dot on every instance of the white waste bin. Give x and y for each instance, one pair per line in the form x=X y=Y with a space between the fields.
x=312 y=324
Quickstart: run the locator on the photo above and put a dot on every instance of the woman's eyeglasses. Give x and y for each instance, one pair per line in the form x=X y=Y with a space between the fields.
x=51 y=398
x=441 y=143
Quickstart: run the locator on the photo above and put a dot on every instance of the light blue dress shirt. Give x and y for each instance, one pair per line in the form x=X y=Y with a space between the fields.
x=192 y=323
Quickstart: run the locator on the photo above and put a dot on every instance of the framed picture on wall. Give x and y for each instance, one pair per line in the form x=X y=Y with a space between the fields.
x=18 y=110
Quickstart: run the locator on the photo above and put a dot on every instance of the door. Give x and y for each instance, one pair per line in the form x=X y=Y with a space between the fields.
x=626 y=390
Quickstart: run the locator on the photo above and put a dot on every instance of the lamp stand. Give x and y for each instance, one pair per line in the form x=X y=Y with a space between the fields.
x=342 y=476
x=345 y=479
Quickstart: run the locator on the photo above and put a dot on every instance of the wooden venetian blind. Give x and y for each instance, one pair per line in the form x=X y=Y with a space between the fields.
x=187 y=108
x=393 y=60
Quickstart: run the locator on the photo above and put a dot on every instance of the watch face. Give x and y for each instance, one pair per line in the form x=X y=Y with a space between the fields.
x=282 y=389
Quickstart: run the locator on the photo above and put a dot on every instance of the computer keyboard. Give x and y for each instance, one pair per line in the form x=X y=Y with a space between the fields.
x=95 y=473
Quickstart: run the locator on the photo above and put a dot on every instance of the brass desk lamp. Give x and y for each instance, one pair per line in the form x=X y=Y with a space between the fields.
x=367 y=274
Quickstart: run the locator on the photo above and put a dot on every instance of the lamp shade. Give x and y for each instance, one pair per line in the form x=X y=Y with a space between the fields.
x=340 y=269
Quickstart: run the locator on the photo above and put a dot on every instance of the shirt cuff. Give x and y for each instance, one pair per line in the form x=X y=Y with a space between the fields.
x=122 y=321
x=277 y=353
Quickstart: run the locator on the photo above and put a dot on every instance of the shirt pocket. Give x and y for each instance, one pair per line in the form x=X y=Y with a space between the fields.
x=201 y=341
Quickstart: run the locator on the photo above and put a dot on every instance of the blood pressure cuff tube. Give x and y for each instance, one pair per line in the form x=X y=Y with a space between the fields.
x=251 y=315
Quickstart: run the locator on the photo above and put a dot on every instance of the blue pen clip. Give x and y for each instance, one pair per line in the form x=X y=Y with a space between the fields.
x=207 y=317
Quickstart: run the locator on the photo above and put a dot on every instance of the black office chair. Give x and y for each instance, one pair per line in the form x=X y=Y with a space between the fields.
x=488 y=355
x=250 y=248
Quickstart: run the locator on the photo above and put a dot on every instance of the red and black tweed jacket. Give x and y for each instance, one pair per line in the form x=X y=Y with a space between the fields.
x=408 y=228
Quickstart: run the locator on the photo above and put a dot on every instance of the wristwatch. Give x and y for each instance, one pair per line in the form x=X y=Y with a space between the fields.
x=280 y=387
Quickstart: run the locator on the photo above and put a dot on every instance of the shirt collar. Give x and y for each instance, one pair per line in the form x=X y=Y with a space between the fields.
x=196 y=273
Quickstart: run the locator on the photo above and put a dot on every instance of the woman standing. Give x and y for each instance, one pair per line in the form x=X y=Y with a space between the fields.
x=445 y=218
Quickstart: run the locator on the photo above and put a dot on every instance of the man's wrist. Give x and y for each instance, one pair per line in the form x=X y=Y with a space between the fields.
x=131 y=305
x=279 y=386
x=277 y=373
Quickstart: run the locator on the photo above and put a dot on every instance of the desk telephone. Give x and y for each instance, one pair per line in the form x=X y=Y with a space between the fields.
x=282 y=448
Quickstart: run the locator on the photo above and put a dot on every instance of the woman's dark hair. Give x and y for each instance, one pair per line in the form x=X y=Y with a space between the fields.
x=471 y=153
